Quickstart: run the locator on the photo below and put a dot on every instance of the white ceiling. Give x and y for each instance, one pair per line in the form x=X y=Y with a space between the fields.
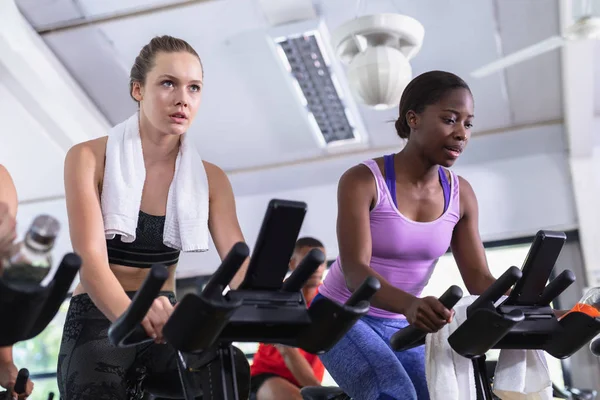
x=250 y=122
x=250 y=117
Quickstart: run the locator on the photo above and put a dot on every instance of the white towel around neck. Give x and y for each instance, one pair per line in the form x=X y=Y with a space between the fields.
x=186 y=221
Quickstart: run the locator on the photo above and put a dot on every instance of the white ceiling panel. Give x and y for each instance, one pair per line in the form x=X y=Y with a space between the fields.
x=92 y=60
x=41 y=13
x=32 y=157
x=94 y=8
x=44 y=14
x=534 y=86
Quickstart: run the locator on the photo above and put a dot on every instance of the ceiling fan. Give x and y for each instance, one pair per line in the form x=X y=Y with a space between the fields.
x=585 y=27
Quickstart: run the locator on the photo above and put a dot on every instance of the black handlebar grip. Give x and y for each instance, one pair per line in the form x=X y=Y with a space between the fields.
x=142 y=301
x=557 y=286
x=498 y=288
x=309 y=264
x=130 y=320
x=365 y=291
x=451 y=296
x=227 y=270
x=67 y=269
x=21 y=381
x=137 y=335
x=51 y=396
x=408 y=337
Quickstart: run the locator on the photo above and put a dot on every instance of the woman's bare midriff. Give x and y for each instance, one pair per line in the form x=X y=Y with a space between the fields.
x=131 y=279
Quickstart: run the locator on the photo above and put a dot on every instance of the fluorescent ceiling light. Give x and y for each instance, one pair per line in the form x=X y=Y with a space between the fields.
x=329 y=109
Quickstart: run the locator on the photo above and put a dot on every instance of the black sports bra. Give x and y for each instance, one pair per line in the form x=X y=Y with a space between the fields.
x=148 y=247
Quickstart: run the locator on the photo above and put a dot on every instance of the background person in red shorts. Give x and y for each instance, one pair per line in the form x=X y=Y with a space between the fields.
x=279 y=372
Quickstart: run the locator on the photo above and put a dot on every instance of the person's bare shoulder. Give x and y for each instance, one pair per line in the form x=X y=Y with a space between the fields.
x=88 y=154
x=91 y=152
x=213 y=171
x=95 y=148
x=357 y=178
x=8 y=191
x=218 y=181
x=5 y=177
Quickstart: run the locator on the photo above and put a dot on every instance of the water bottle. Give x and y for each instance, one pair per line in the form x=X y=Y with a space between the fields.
x=588 y=304
x=31 y=259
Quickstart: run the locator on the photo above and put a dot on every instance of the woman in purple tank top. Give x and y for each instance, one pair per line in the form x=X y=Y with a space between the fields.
x=396 y=216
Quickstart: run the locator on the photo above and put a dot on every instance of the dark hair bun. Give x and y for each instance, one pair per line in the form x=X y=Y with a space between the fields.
x=402 y=128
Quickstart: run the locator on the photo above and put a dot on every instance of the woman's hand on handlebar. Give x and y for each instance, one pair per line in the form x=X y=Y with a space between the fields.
x=428 y=314
x=8 y=378
x=157 y=317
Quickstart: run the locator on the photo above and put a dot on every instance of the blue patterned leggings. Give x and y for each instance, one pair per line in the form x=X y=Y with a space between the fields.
x=366 y=368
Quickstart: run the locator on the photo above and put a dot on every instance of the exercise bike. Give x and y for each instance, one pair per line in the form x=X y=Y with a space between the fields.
x=263 y=309
x=32 y=308
x=524 y=320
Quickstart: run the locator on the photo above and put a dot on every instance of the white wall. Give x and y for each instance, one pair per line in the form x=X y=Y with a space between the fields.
x=519 y=196
x=597 y=135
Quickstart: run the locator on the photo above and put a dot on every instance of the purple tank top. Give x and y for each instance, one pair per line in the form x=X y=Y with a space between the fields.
x=404 y=252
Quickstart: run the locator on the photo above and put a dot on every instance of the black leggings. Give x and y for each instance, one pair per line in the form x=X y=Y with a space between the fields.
x=90 y=367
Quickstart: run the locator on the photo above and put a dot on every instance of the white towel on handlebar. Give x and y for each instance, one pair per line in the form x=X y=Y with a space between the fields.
x=449 y=375
x=520 y=374
x=186 y=221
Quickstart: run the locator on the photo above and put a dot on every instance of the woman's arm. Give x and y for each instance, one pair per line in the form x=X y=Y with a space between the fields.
x=356 y=193
x=8 y=192
x=8 y=212
x=86 y=228
x=298 y=366
x=6 y=356
x=467 y=246
x=222 y=218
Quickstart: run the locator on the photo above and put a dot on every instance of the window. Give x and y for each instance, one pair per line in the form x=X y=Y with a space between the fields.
x=40 y=355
